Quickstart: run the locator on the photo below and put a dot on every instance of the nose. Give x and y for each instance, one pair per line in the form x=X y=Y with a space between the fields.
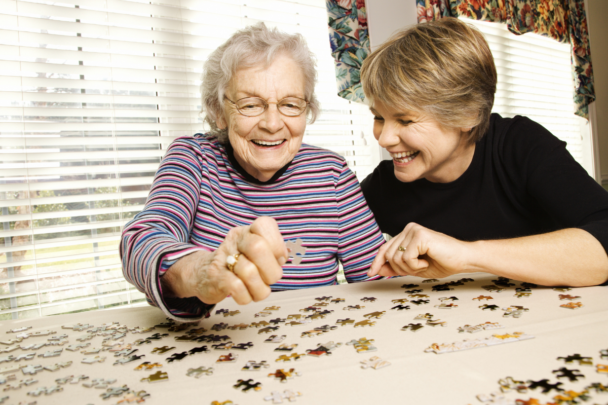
x=272 y=120
x=386 y=135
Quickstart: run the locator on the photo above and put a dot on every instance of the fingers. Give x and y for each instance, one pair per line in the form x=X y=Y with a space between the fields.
x=231 y=285
x=261 y=252
x=416 y=249
x=387 y=271
x=258 y=252
x=264 y=246
x=243 y=284
x=248 y=284
x=395 y=256
x=404 y=250
x=268 y=229
x=379 y=260
x=416 y=264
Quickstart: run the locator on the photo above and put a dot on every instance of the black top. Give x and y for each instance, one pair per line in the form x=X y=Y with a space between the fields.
x=522 y=181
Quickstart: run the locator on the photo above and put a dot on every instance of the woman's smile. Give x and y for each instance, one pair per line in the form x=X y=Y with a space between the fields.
x=404 y=158
x=268 y=145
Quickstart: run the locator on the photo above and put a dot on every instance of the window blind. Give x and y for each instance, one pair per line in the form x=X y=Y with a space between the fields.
x=535 y=80
x=91 y=94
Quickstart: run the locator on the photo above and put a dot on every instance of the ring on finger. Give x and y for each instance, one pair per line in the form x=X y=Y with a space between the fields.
x=401 y=249
x=231 y=261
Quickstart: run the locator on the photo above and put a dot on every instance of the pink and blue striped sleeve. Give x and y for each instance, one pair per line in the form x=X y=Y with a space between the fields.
x=359 y=235
x=159 y=235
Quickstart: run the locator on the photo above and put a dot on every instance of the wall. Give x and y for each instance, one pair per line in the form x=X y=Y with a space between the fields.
x=597 y=14
x=384 y=18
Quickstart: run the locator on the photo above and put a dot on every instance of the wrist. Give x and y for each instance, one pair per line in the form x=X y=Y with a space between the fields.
x=182 y=278
x=475 y=253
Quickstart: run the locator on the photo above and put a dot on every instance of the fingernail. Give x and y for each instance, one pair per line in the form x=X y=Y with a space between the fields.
x=282 y=261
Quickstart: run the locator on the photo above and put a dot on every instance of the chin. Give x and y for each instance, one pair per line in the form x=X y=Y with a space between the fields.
x=272 y=169
x=269 y=168
x=271 y=161
x=405 y=177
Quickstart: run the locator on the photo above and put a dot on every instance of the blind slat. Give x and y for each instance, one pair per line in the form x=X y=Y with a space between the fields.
x=71 y=199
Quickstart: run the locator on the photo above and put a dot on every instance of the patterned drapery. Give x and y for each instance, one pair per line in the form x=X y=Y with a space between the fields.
x=563 y=20
x=349 y=40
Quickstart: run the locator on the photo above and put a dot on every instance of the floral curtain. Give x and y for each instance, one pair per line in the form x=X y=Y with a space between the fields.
x=349 y=40
x=563 y=20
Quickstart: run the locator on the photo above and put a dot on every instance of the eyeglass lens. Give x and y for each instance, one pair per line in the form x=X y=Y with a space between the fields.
x=252 y=106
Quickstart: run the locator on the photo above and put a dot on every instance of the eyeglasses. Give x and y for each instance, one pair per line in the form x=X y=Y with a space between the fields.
x=254 y=106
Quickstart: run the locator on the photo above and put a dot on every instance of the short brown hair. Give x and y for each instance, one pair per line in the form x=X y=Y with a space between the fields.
x=443 y=68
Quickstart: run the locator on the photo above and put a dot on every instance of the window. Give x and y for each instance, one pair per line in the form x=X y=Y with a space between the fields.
x=91 y=94
x=535 y=80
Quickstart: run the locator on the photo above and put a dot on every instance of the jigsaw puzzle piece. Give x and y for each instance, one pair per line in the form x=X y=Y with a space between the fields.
x=296 y=250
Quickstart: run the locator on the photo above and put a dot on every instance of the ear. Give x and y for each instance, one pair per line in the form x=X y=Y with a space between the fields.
x=220 y=121
x=466 y=129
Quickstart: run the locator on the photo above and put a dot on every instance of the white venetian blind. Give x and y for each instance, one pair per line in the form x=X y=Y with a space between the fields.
x=91 y=94
x=535 y=80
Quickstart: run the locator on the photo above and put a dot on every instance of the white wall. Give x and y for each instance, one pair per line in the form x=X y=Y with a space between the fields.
x=597 y=15
x=384 y=18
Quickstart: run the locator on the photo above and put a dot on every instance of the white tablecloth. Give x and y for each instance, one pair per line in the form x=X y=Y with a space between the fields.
x=414 y=377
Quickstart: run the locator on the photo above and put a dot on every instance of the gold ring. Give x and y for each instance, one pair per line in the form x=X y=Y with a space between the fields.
x=231 y=261
x=401 y=249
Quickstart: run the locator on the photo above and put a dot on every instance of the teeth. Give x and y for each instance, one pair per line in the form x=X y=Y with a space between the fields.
x=401 y=155
x=266 y=143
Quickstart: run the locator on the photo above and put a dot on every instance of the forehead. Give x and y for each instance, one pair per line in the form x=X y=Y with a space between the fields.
x=378 y=107
x=281 y=78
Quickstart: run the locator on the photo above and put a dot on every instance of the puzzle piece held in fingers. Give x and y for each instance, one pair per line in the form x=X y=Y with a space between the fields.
x=296 y=250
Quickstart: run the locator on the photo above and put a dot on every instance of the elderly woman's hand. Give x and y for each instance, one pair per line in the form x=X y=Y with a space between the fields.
x=421 y=252
x=205 y=274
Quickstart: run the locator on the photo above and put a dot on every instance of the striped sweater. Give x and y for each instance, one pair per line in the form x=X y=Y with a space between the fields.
x=200 y=192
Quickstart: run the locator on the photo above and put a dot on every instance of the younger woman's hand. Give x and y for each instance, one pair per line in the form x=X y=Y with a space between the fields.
x=421 y=252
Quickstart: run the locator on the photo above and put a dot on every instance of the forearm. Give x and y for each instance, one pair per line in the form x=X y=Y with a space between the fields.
x=569 y=257
x=141 y=250
x=144 y=251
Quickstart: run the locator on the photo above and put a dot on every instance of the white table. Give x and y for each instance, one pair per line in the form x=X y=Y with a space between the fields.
x=414 y=377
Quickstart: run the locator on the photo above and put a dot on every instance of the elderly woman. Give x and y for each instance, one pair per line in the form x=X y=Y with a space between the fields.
x=468 y=190
x=223 y=204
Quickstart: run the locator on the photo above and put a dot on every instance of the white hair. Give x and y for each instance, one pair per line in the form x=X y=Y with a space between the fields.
x=249 y=47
